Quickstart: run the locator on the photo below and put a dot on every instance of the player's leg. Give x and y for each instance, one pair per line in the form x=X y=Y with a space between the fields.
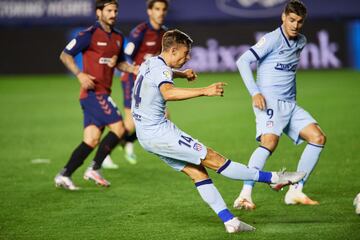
x=104 y=111
x=107 y=144
x=268 y=144
x=238 y=171
x=128 y=144
x=90 y=140
x=130 y=138
x=304 y=127
x=269 y=125
x=210 y=194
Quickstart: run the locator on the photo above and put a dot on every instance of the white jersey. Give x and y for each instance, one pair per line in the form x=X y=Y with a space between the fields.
x=148 y=105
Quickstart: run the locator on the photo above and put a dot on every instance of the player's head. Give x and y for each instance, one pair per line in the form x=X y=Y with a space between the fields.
x=176 y=45
x=157 y=10
x=106 y=11
x=293 y=17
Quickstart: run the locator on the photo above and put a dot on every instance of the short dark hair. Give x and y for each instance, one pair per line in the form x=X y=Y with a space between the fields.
x=297 y=7
x=100 y=4
x=150 y=3
x=173 y=37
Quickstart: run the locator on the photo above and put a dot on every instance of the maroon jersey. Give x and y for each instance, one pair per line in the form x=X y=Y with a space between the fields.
x=144 y=42
x=97 y=47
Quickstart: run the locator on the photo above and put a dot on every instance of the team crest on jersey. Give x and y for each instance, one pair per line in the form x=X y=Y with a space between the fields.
x=269 y=124
x=260 y=43
x=118 y=43
x=167 y=74
x=197 y=147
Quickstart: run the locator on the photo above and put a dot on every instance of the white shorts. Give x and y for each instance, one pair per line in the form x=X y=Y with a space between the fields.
x=175 y=147
x=282 y=117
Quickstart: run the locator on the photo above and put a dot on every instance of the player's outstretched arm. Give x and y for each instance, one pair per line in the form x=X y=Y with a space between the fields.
x=189 y=74
x=86 y=80
x=171 y=93
x=129 y=68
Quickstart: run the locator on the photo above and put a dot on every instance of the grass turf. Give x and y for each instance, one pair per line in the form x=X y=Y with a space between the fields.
x=41 y=118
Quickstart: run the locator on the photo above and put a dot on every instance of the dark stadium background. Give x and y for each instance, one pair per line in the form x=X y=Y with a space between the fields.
x=41 y=122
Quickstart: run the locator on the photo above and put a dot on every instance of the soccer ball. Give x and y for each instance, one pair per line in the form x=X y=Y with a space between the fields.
x=357 y=204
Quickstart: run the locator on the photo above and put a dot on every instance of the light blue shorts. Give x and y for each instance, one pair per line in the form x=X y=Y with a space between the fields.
x=175 y=148
x=282 y=117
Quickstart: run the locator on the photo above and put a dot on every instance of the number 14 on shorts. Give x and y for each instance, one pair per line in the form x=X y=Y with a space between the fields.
x=186 y=141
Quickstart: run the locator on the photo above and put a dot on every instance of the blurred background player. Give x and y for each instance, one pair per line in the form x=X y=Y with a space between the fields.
x=274 y=102
x=101 y=46
x=157 y=134
x=144 y=42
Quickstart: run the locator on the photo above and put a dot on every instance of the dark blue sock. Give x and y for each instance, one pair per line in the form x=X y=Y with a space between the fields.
x=225 y=215
x=265 y=177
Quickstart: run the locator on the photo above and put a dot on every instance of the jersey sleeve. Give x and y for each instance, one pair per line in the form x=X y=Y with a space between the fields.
x=134 y=41
x=163 y=75
x=264 y=46
x=80 y=43
x=243 y=64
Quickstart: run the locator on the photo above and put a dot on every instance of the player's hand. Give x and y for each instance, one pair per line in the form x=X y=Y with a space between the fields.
x=136 y=69
x=190 y=74
x=86 y=80
x=259 y=101
x=113 y=61
x=215 y=89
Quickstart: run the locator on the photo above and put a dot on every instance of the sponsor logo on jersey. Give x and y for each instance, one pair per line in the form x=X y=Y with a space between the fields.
x=197 y=147
x=286 y=67
x=251 y=8
x=102 y=44
x=104 y=60
x=149 y=44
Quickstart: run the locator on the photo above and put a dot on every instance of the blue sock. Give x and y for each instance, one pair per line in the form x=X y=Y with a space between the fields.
x=309 y=158
x=211 y=196
x=257 y=161
x=238 y=171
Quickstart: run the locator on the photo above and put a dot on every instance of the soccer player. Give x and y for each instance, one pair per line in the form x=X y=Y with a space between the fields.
x=274 y=101
x=144 y=42
x=100 y=45
x=154 y=86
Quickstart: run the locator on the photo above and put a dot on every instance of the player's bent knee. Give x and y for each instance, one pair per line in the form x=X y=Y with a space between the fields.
x=118 y=129
x=318 y=138
x=269 y=141
x=196 y=173
x=213 y=160
x=92 y=142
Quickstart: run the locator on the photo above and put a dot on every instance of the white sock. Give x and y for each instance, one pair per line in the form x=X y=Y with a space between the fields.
x=129 y=148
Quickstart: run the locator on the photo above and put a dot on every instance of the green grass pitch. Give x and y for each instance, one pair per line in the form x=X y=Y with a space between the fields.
x=41 y=119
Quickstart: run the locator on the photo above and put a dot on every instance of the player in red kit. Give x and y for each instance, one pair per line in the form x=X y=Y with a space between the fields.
x=101 y=47
x=144 y=42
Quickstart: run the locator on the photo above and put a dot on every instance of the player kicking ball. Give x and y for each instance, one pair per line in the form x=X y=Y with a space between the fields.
x=154 y=86
x=274 y=102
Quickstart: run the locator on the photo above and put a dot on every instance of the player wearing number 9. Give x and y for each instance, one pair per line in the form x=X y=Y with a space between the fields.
x=274 y=102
